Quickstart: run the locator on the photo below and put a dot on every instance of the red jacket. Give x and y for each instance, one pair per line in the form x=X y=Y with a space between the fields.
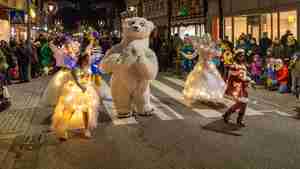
x=283 y=75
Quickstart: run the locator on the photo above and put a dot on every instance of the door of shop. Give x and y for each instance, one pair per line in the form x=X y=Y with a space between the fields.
x=253 y=26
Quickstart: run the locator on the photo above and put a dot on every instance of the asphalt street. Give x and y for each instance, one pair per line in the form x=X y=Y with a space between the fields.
x=175 y=137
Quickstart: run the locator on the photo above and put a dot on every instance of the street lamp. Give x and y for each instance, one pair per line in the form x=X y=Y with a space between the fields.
x=50 y=8
x=132 y=8
x=101 y=23
x=132 y=11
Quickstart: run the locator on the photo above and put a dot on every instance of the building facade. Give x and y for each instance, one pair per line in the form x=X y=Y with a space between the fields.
x=183 y=16
x=256 y=17
x=6 y=6
x=188 y=17
x=157 y=12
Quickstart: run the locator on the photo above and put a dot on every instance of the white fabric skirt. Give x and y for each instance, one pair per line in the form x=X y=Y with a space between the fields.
x=54 y=88
x=204 y=84
x=74 y=101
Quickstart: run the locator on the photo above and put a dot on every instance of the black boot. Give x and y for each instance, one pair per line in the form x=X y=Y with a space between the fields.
x=240 y=120
x=226 y=117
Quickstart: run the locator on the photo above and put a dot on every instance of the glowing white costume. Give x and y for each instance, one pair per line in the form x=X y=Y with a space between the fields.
x=74 y=101
x=205 y=83
x=55 y=86
x=76 y=96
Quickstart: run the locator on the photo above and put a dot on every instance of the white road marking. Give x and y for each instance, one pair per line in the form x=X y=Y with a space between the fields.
x=209 y=113
x=283 y=113
x=116 y=121
x=160 y=104
x=179 y=97
x=227 y=102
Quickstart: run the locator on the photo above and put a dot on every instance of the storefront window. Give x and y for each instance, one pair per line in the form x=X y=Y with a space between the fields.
x=266 y=24
x=5 y=30
x=188 y=30
x=228 y=27
x=240 y=26
x=288 y=21
x=275 y=25
x=202 y=29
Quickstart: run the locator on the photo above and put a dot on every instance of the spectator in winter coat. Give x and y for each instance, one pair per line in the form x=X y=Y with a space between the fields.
x=24 y=58
x=295 y=73
x=282 y=76
x=256 y=68
x=11 y=60
x=277 y=49
x=46 y=57
x=265 y=43
x=271 y=74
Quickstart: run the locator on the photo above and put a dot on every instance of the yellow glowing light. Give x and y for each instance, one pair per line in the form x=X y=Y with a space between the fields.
x=291 y=19
x=32 y=13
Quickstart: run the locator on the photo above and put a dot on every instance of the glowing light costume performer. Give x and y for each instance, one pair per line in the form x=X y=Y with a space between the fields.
x=75 y=94
x=204 y=83
x=55 y=86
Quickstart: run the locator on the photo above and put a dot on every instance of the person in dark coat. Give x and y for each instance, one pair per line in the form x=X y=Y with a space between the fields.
x=265 y=43
x=10 y=59
x=24 y=57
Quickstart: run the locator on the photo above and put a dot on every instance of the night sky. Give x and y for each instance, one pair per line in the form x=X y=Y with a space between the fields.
x=84 y=10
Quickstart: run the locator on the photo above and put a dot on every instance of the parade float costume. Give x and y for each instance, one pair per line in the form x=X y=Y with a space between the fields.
x=205 y=83
x=55 y=86
x=188 y=54
x=237 y=89
x=133 y=65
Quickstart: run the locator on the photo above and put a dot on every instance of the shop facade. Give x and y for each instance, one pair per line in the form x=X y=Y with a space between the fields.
x=157 y=12
x=5 y=27
x=9 y=29
x=188 y=18
x=256 y=17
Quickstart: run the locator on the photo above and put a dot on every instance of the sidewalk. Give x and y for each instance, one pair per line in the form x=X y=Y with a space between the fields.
x=15 y=122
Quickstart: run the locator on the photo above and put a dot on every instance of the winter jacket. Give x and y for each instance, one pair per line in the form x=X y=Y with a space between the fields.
x=283 y=75
x=3 y=63
x=265 y=43
x=277 y=51
x=46 y=55
x=295 y=68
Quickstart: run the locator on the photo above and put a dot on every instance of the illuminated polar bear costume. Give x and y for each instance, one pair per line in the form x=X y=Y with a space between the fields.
x=133 y=65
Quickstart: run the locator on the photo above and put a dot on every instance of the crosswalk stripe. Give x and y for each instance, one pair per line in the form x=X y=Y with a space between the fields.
x=179 y=97
x=157 y=101
x=209 y=113
x=283 y=113
x=227 y=102
x=116 y=121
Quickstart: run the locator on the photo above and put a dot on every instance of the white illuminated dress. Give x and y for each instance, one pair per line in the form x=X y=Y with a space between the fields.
x=55 y=86
x=74 y=101
x=204 y=83
x=76 y=97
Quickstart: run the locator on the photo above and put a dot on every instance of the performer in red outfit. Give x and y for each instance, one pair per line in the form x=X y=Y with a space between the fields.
x=237 y=88
x=282 y=76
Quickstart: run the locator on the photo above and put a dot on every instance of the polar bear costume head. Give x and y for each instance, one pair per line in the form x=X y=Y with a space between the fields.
x=137 y=28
